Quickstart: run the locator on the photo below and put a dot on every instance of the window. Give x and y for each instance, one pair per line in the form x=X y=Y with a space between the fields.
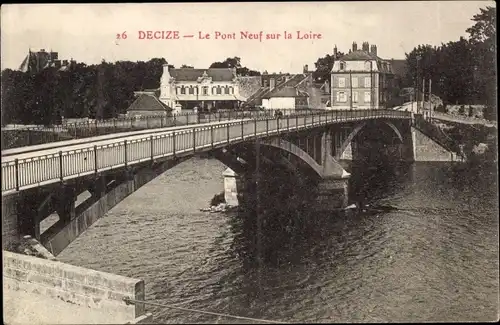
x=183 y=90
x=367 y=97
x=342 y=66
x=219 y=90
x=214 y=90
x=355 y=82
x=368 y=65
x=367 y=82
x=231 y=90
x=205 y=90
x=341 y=82
x=191 y=90
x=354 y=96
x=341 y=97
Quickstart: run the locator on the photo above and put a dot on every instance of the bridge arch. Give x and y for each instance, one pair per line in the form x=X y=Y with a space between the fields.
x=357 y=129
x=296 y=151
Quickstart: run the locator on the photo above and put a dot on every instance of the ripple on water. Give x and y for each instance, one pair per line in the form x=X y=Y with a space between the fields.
x=434 y=258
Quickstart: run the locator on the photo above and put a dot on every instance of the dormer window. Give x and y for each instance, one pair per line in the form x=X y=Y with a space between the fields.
x=342 y=66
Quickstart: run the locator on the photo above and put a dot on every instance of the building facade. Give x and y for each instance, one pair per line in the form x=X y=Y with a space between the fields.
x=285 y=98
x=207 y=89
x=361 y=79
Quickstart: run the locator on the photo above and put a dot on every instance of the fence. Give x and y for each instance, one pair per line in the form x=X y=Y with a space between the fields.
x=86 y=159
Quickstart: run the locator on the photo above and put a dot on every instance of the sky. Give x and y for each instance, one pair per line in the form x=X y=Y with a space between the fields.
x=88 y=32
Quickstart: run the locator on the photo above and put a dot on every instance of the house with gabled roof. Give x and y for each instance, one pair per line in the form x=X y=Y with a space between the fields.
x=361 y=79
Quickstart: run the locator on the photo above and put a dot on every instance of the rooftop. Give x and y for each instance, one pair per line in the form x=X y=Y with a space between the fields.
x=285 y=92
x=191 y=74
x=148 y=102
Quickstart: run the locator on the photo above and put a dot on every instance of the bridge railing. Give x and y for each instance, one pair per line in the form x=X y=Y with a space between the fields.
x=27 y=136
x=57 y=166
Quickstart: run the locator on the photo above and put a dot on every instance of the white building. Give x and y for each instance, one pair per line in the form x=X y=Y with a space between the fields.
x=285 y=98
x=207 y=89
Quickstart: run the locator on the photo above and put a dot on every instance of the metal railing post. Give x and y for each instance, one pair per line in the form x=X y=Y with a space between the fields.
x=16 y=167
x=125 y=152
x=255 y=127
x=242 y=135
x=173 y=143
x=288 y=123
x=212 y=135
x=95 y=159
x=194 y=139
x=267 y=126
x=227 y=132
x=61 y=175
x=152 y=148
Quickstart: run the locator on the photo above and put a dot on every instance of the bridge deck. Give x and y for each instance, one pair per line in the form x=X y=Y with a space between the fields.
x=29 y=168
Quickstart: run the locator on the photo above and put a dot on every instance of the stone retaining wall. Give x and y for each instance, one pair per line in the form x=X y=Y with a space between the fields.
x=75 y=285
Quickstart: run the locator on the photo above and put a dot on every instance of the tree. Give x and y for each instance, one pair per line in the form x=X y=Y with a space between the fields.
x=235 y=62
x=482 y=36
x=484 y=30
x=186 y=66
x=324 y=66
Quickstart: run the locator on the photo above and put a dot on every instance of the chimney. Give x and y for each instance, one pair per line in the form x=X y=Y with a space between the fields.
x=42 y=50
x=366 y=46
x=354 y=46
x=306 y=68
x=65 y=63
x=272 y=83
x=335 y=51
x=373 y=50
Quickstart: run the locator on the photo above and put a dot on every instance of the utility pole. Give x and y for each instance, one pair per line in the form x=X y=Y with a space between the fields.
x=430 y=103
x=417 y=87
x=350 y=86
x=423 y=95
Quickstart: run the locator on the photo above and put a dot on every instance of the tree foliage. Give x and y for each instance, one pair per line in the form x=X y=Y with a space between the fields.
x=324 y=66
x=96 y=91
x=235 y=62
x=463 y=71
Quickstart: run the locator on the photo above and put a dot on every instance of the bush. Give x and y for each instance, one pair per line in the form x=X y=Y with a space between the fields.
x=218 y=199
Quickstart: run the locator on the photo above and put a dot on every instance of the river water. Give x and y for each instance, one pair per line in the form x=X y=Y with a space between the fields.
x=432 y=257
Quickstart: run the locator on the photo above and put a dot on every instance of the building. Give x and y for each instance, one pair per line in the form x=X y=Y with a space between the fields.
x=208 y=89
x=361 y=79
x=147 y=103
x=285 y=98
x=35 y=62
x=289 y=91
